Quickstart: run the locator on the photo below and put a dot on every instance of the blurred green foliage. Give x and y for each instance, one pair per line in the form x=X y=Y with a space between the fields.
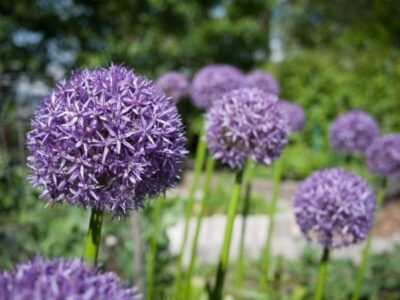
x=152 y=35
x=296 y=279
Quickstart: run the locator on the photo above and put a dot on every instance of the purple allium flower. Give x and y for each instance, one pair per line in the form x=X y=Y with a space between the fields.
x=105 y=138
x=293 y=113
x=334 y=208
x=263 y=81
x=246 y=123
x=211 y=82
x=353 y=132
x=57 y=279
x=383 y=156
x=173 y=84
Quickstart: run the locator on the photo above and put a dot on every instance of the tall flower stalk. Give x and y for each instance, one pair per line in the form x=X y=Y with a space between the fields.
x=204 y=203
x=224 y=256
x=364 y=259
x=198 y=166
x=152 y=255
x=266 y=257
x=248 y=177
x=323 y=266
x=94 y=236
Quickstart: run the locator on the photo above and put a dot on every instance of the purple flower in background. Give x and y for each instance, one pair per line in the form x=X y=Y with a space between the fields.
x=383 y=156
x=246 y=123
x=105 y=138
x=62 y=279
x=263 y=81
x=173 y=84
x=211 y=82
x=353 y=132
x=293 y=113
x=334 y=208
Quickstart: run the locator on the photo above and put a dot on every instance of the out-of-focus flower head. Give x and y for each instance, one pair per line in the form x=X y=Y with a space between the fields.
x=383 y=156
x=293 y=113
x=353 y=132
x=105 y=138
x=246 y=123
x=262 y=80
x=212 y=81
x=334 y=208
x=174 y=85
x=62 y=279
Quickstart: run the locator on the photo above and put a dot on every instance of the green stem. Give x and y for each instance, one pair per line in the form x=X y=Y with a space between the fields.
x=151 y=257
x=319 y=291
x=204 y=203
x=224 y=257
x=198 y=165
x=266 y=258
x=94 y=236
x=248 y=176
x=364 y=258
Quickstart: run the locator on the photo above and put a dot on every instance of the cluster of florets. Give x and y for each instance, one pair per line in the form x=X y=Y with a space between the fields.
x=105 y=138
x=62 y=279
x=383 y=156
x=353 y=132
x=246 y=123
x=334 y=208
x=262 y=80
x=293 y=113
x=174 y=85
x=212 y=82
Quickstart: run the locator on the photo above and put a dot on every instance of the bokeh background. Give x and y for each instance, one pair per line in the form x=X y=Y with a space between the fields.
x=328 y=56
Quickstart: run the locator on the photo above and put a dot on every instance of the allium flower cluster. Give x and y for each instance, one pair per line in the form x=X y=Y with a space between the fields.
x=263 y=81
x=62 y=279
x=105 y=138
x=173 y=84
x=246 y=123
x=334 y=208
x=211 y=82
x=383 y=156
x=293 y=113
x=353 y=132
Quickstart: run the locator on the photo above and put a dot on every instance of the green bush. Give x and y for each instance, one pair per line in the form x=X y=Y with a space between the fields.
x=327 y=84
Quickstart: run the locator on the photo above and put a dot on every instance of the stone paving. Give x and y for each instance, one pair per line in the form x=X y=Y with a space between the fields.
x=287 y=239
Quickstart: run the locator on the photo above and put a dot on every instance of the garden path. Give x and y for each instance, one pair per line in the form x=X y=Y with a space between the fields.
x=287 y=239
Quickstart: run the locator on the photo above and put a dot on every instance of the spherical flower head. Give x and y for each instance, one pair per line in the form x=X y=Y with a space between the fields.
x=293 y=113
x=106 y=139
x=334 y=208
x=173 y=84
x=246 y=123
x=383 y=156
x=211 y=82
x=62 y=279
x=353 y=132
x=263 y=81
